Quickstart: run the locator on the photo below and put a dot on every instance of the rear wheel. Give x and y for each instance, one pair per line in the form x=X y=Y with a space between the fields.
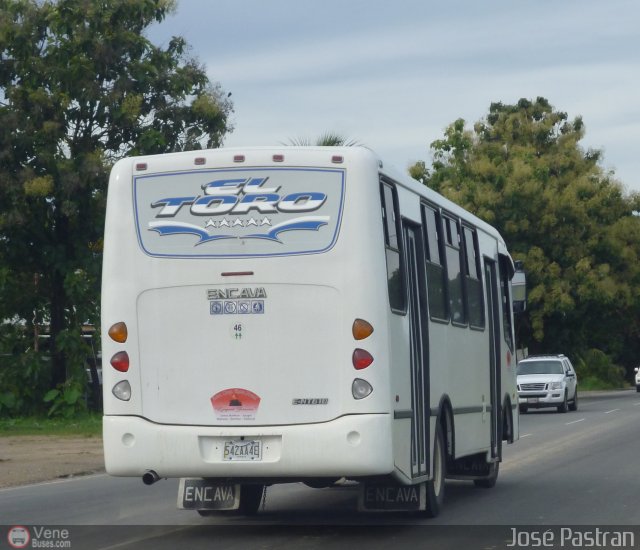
x=250 y=499
x=507 y=423
x=435 y=486
x=489 y=481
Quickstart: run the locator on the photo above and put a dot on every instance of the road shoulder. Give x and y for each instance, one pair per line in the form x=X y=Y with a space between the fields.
x=30 y=459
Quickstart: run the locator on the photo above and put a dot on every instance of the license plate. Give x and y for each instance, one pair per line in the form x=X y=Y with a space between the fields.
x=203 y=494
x=378 y=498
x=532 y=400
x=242 y=450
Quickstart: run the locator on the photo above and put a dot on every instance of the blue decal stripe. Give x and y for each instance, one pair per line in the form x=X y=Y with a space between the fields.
x=310 y=223
x=186 y=229
x=272 y=235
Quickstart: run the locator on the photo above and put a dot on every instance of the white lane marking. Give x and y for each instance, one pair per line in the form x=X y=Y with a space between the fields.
x=574 y=422
x=525 y=435
x=611 y=411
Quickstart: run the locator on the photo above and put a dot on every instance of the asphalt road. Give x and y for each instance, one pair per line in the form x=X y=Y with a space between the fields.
x=574 y=469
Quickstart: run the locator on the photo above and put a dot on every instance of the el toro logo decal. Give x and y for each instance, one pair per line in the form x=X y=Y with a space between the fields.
x=239 y=213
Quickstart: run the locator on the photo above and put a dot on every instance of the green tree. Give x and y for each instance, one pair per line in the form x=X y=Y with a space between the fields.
x=522 y=169
x=328 y=139
x=80 y=87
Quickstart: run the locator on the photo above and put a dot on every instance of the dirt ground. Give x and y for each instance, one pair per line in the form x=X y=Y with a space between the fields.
x=32 y=459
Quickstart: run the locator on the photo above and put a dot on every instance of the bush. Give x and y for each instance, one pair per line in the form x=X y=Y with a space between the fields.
x=596 y=370
x=24 y=379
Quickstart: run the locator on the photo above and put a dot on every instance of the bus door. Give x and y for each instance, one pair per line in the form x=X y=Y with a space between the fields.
x=419 y=351
x=493 y=311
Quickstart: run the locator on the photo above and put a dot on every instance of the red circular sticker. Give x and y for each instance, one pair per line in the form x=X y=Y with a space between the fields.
x=235 y=404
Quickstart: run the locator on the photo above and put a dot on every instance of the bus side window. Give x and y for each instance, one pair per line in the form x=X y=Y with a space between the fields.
x=454 y=269
x=395 y=275
x=436 y=276
x=506 y=305
x=475 y=301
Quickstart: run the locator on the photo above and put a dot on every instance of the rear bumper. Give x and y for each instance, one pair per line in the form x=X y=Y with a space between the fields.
x=349 y=446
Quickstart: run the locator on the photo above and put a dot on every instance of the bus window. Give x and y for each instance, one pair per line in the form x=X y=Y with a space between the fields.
x=395 y=276
x=456 y=291
x=475 y=304
x=436 y=277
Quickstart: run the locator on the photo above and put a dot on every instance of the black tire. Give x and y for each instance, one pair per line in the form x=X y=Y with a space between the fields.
x=435 y=486
x=489 y=481
x=507 y=424
x=638 y=389
x=565 y=404
x=250 y=499
x=573 y=406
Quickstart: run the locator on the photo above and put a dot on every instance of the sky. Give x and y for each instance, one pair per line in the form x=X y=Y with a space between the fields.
x=393 y=74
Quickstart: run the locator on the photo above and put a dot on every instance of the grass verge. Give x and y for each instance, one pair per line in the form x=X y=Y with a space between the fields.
x=87 y=425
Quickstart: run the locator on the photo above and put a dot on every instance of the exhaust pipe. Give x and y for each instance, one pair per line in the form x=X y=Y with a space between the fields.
x=150 y=477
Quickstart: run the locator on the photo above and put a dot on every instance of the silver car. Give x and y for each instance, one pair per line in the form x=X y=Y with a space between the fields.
x=547 y=381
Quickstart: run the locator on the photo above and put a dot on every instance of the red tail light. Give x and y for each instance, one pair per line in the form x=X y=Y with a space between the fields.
x=361 y=359
x=120 y=361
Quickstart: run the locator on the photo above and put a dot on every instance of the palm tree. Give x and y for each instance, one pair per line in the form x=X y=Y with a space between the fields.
x=328 y=139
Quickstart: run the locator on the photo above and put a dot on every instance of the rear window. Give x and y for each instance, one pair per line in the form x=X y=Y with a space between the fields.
x=238 y=212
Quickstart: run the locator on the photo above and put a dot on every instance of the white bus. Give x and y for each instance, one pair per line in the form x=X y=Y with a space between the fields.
x=301 y=314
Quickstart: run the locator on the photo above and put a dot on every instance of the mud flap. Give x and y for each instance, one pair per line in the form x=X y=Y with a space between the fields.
x=389 y=497
x=205 y=494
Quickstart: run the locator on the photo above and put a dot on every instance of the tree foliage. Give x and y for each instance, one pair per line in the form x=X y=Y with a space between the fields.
x=522 y=169
x=328 y=139
x=80 y=87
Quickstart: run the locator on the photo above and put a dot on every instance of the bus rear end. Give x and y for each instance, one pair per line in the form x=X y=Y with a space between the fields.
x=240 y=338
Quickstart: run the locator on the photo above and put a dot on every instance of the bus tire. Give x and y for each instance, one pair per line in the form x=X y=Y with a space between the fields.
x=489 y=481
x=507 y=423
x=250 y=499
x=435 y=486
